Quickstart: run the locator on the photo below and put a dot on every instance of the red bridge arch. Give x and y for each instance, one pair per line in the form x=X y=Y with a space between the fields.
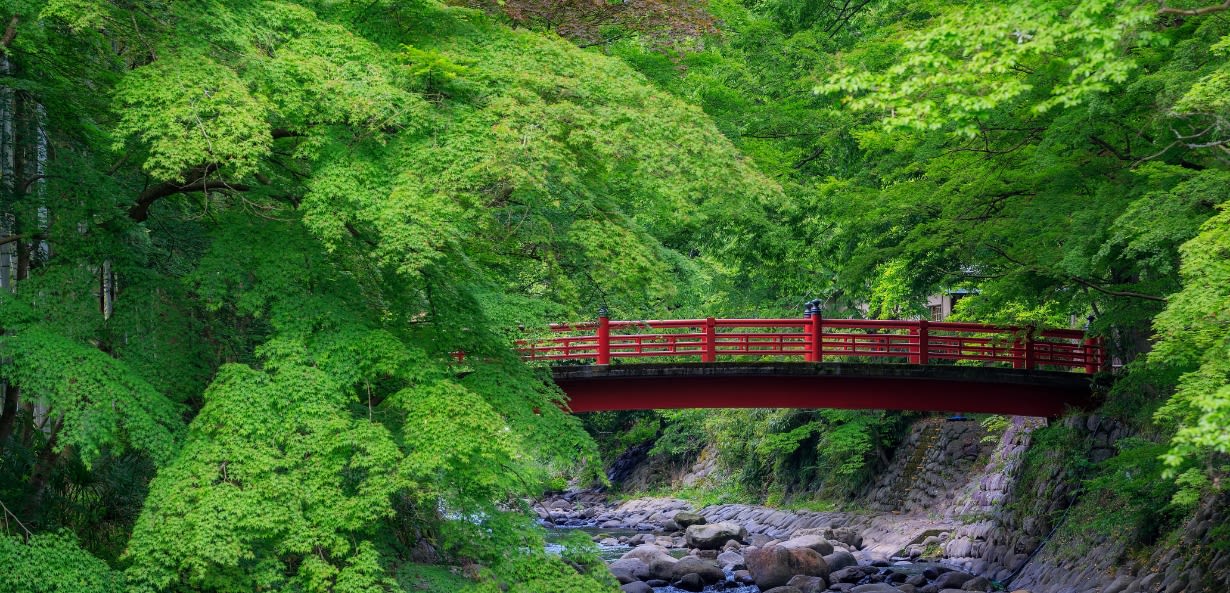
x=815 y=362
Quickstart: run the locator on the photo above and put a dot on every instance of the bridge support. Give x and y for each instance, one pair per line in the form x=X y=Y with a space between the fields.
x=830 y=385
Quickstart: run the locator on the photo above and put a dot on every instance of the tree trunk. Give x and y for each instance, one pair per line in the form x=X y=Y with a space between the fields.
x=43 y=466
x=8 y=414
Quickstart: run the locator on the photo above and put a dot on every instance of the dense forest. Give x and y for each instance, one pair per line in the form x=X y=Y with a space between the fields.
x=243 y=243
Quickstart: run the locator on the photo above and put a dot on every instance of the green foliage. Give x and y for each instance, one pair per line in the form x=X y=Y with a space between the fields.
x=972 y=59
x=1193 y=335
x=190 y=110
x=1126 y=498
x=278 y=485
x=429 y=578
x=994 y=426
x=772 y=454
x=279 y=221
x=53 y=563
x=683 y=433
x=100 y=402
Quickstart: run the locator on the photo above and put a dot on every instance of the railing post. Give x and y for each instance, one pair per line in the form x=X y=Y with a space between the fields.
x=913 y=332
x=809 y=336
x=924 y=343
x=709 y=353
x=1018 y=357
x=604 y=336
x=817 y=332
x=1091 y=363
x=1031 y=362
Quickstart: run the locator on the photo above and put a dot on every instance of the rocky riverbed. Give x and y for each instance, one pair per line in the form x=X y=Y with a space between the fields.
x=663 y=546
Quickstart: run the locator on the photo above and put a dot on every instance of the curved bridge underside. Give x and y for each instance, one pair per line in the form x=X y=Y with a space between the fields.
x=1023 y=392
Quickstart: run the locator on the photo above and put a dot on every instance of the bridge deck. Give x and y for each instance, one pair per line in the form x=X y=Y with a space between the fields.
x=823 y=385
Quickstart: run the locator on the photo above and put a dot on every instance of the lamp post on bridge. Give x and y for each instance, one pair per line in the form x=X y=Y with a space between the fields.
x=813 y=330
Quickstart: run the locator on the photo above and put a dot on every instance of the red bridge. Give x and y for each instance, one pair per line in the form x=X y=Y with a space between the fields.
x=820 y=363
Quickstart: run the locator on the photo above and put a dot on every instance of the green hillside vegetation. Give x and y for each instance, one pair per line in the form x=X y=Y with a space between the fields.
x=263 y=263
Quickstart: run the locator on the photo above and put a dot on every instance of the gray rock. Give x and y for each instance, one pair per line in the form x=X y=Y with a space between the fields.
x=661 y=565
x=686 y=519
x=952 y=580
x=743 y=576
x=774 y=566
x=713 y=536
x=690 y=582
x=808 y=584
x=636 y=587
x=627 y=570
x=784 y=589
x=976 y=584
x=814 y=542
x=840 y=559
x=707 y=571
x=730 y=558
x=849 y=574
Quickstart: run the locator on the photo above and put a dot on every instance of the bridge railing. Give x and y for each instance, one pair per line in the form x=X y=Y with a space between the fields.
x=816 y=339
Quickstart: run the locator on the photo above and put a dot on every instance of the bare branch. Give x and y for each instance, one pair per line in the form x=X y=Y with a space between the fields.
x=16 y=238
x=1077 y=279
x=140 y=210
x=1119 y=293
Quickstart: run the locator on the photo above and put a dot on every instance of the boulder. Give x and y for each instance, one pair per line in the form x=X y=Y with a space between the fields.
x=627 y=570
x=846 y=535
x=708 y=572
x=840 y=559
x=952 y=580
x=808 y=584
x=814 y=542
x=636 y=587
x=713 y=536
x=661 y=565
x=744 y=576
x=730 y=559
x=774 y=566
x=690 y=582
x=686 y=519
x=848 y=574
x=784 y=589
x=977 y=584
